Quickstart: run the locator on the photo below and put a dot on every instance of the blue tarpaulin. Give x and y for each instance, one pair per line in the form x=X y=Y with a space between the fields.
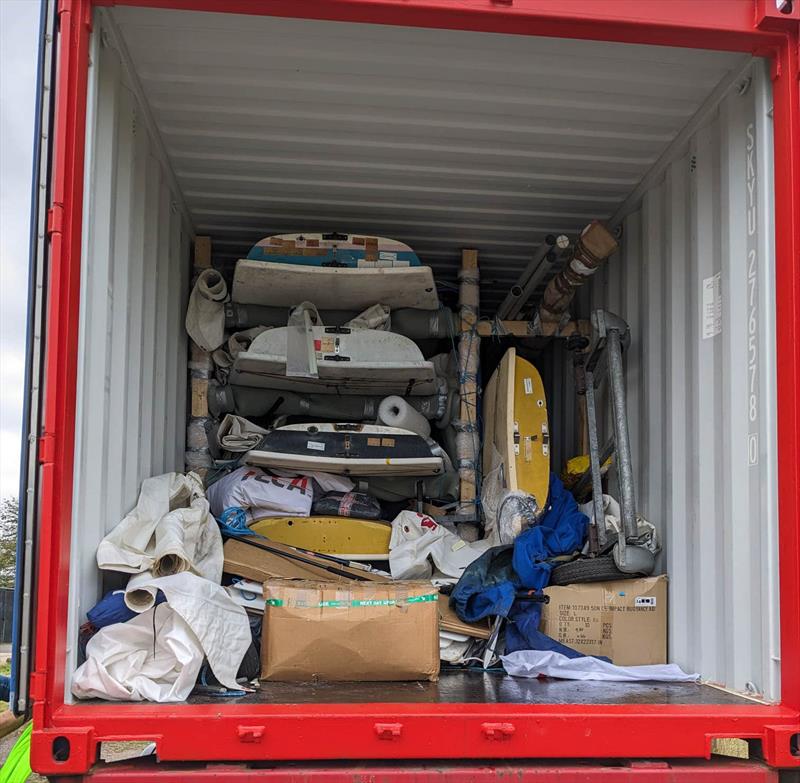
x=493 y=583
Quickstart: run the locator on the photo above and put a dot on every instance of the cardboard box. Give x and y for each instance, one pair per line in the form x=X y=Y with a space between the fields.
x=264 y=560
x=335 y=631
x=624 y=620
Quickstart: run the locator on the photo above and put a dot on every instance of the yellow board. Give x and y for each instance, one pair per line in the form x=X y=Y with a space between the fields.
x=530 y=432
x=515 y=421
x=348 y=537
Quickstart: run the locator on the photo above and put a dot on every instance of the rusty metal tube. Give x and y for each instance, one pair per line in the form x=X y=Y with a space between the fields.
x=593 y=247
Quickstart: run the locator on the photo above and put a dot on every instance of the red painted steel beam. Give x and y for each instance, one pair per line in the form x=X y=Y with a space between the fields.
x=245 y=732
x=61 y=358
x=786 y=123
x=719 y=771
x=706 y=24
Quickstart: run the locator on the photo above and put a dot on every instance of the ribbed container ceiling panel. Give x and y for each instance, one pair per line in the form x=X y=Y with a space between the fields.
x=442 y=139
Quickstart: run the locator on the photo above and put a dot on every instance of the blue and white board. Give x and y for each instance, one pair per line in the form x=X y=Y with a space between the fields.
x=352 y=251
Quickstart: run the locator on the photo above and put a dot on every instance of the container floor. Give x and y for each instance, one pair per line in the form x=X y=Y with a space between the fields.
x=483 y=688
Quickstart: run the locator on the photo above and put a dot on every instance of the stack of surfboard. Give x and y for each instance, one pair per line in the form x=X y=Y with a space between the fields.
x=338 y=272
x=335 y=272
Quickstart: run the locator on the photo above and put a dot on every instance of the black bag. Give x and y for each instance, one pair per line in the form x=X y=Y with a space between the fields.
x=346 y=504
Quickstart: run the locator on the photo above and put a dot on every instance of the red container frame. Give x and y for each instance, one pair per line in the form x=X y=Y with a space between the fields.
x=241 y=732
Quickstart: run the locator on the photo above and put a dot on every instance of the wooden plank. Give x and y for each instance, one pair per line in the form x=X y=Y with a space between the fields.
x=468 y=412
x=469 y=259
x=202 y=252
x=526 y=329
x=199 y=397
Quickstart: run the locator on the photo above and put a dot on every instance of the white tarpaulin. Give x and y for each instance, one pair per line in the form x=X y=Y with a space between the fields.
x=219 y=624
x=153 y=657
x=205 y=315
x=328 y=482
x=169 y=531
x=418 y=543
x=261 y=495
x=237 y=434
x=535 y=663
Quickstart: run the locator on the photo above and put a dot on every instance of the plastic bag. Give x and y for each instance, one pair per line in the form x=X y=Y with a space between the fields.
x=418 y=543
x=347 y=504
x=261 y=495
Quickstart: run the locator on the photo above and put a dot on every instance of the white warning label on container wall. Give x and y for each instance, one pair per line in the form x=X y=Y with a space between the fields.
x=712 y=306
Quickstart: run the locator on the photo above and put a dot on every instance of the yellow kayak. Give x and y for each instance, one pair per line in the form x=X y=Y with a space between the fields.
x=346 y=537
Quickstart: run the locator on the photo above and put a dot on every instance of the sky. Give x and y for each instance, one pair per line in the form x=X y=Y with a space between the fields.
x=19 y=29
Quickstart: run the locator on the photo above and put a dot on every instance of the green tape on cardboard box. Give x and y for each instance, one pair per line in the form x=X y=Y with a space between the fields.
x=414 y=599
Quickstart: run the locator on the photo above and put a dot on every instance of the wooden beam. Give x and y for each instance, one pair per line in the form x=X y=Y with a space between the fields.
x=198 y=455
x=468 y=446
x=202 y=253
x=526 y=329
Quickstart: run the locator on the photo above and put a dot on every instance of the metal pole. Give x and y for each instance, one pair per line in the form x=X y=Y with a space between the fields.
x=538 y=275
x=624 y=467
x=513 y=296
x=594 y=459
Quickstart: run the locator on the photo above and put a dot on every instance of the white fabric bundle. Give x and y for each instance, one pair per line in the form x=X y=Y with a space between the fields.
x=328 y=482
x=535 y=663
x=171 y=543
x=646 y=533
x=169 y=531
x=417 y=540
x=157 y=655
x=205 y=315
x=394 y=411
x=237 y=434
x=261 y=495
x=376 y=317
x=217 y=621
x=153 y=657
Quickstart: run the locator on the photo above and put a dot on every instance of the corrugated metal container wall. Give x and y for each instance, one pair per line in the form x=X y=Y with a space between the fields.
x=133 y=347
x=695 y=281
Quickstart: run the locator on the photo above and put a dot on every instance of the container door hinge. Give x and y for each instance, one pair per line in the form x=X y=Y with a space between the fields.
x=250 y=733
x=47 y=449
x=498 y=731
x=55 y=220
x=388 y=731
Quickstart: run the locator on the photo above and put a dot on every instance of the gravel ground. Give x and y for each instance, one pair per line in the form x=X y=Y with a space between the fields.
x=111 y=751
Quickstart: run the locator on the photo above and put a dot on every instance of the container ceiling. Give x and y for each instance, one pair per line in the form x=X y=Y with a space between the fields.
x=441 y=139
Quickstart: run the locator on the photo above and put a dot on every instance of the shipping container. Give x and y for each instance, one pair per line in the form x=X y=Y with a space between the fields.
x=447 y=124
